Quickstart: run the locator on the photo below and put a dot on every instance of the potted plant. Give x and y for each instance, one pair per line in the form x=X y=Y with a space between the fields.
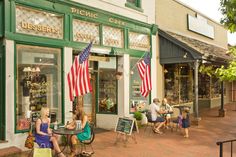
x=138 y=116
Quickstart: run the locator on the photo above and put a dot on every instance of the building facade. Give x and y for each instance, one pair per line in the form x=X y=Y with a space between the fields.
x=39 y=40
x=189 y=42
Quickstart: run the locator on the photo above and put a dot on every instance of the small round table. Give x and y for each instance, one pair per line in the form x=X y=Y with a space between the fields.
x=68 y=133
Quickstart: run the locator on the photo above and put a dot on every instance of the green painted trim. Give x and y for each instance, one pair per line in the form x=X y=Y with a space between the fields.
x=63 y=75
x=15 y=113
x=126 y=39
x=67 y=28
x=1 y=19
x=101 y=34
x=13 y=17
x=154 y=29
x=7 y=13
x=64 y=7
x=3 y=90
x=132 y=6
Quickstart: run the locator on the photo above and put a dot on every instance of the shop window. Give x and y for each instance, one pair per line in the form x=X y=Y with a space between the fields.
x=134 y=4
x=38 y=83
x=178 y=83
x=137 y=101
x=215 y=87
x=107 y=86
x=204 y=86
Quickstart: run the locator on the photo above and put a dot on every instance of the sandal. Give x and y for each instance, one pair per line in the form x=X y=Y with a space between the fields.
x=158 y=132
x=60 y=154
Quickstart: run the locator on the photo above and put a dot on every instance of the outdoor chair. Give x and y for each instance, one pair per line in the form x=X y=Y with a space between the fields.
x=150 y=122
x=88 y=142
x=175 y=119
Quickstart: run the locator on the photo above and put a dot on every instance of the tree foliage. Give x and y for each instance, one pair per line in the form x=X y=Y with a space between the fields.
x=228 y=9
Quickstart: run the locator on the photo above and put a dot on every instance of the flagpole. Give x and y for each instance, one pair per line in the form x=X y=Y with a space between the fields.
x=139 y=60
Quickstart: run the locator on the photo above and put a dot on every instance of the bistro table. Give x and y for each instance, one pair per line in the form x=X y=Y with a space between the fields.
x=68 y=133
x=181 y=107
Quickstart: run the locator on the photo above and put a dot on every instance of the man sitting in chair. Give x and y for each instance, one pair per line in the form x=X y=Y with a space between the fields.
x=156 y=112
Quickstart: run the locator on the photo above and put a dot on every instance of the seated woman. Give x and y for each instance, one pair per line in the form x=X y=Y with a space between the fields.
x=43 y=135
x=85 y=135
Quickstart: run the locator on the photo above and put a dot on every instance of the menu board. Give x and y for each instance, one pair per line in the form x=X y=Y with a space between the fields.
x=126 y=125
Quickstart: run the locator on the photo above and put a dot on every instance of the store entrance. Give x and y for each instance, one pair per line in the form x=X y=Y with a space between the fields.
x=88 y=101
x=2 y=95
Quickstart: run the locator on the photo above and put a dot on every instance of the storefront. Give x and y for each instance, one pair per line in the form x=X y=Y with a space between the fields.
x=42 y=37
x=183 y=59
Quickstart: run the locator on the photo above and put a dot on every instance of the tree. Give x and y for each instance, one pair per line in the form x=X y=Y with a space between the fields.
x=228 y=9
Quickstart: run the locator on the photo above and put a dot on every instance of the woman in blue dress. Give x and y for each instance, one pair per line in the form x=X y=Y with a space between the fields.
x=85 y=135
x=43 y=135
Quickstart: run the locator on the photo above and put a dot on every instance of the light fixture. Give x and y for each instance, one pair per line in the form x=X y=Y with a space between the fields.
x=185 y=55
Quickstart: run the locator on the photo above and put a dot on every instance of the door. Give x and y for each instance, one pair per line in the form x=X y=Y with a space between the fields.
x=89 y=101
x=2 y=94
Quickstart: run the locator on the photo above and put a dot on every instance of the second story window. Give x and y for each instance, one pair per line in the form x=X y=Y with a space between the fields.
x=134 y=4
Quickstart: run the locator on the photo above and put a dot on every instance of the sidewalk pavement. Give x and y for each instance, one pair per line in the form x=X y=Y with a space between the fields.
x=201 y=143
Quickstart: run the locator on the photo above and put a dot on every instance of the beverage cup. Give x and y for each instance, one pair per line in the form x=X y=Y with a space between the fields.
x=78 y=125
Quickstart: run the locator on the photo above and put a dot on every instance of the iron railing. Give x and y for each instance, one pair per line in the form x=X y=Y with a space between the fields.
x=220 y=143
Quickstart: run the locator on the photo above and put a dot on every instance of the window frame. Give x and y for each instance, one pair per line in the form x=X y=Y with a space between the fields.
x=136 y=5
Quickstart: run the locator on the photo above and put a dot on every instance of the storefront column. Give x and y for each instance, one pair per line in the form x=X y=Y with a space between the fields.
x=196 y=114
x=222 y=111
x=123 y=86
x=68 y=61
x=154 y=69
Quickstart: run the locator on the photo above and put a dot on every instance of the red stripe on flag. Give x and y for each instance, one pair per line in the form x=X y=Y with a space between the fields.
x=144 y=72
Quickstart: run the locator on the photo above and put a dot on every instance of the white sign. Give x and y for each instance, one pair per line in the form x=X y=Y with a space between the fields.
x=199 y=25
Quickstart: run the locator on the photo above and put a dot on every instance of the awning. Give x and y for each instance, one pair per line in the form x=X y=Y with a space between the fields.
x=175 y=48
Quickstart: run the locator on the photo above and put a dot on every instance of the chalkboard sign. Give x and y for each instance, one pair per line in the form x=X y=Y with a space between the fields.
x=126 y=125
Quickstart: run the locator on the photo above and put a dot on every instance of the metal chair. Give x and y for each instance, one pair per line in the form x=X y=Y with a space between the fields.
x=175 y=118
x=88 y=142
x=150 y=122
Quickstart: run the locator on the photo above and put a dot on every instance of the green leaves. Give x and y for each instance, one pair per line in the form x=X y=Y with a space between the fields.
x=228 y=9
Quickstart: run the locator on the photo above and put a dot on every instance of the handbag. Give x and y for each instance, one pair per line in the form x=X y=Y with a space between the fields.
x=29 y=142
x=42 y=152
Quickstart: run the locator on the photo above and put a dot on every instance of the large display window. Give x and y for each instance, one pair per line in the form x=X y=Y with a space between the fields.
x=137 y=101
x=107 y=86
x=38 y=83
x=178 y=83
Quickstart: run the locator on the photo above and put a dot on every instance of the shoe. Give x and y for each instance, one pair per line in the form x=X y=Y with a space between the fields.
x=185 y=136
x=61 y=154
x=158 y=132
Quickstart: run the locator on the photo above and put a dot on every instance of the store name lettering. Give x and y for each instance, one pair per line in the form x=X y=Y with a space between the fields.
x=139 y=45
x=112 y=42
x=115 y=21
x=39 y=28
x=85 y=36
x=84 y=13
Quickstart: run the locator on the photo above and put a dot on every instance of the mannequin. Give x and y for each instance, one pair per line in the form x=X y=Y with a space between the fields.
x=25 y=83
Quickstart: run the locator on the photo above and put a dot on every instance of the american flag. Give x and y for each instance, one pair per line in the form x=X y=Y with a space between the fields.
x=78 y=76
x=144 y=72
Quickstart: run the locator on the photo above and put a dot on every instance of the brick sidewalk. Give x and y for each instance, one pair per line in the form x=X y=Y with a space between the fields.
x=201 y=143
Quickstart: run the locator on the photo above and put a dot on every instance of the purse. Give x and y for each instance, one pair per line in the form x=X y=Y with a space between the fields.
x=42 y=152
x=29 y=142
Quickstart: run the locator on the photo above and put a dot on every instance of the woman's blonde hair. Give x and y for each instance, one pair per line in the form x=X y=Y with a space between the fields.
x=79 y=113
x=44 y=111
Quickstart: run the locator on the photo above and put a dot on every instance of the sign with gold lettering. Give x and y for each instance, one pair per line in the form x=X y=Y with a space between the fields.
x=113 y=37
x=139 y=41
x=40 y=23
x=84 y=12
x=85 y=31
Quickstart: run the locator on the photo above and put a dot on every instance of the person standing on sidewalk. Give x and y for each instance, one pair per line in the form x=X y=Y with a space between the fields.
x=185 y=121
x=155 y=109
